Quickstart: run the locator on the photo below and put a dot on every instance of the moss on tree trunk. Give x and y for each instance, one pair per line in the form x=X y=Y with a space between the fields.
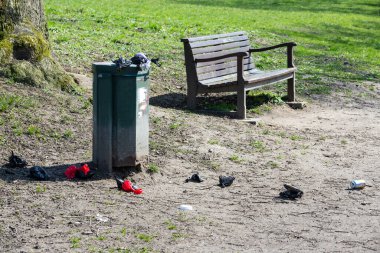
x=25 y=54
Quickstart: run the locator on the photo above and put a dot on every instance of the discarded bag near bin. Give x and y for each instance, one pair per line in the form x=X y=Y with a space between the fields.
x=291 y=192
x=194 y=178
x=38 y=173
x=127 y=186
x=82 y=172
x=16 y=161
x=225 y=181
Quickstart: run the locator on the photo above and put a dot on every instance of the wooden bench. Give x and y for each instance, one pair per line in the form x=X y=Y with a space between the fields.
x=224 y=63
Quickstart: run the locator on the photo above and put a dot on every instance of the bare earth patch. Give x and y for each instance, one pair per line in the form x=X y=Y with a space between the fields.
x=319 y=149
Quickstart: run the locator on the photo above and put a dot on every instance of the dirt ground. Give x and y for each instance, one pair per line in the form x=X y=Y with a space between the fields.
x=319 y=149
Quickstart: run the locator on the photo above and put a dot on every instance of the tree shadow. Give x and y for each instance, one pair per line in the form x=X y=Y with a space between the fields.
x=367 y=8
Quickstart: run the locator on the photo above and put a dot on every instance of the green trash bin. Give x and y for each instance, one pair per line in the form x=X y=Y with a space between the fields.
x=120 y=115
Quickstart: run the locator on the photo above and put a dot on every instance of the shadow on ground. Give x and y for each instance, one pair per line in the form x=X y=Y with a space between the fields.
x=365 y=8
x=217 y=105
x=56 y=172
x=206 y=105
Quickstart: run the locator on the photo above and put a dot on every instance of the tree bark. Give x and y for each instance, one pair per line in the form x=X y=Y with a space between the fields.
x=25 y=54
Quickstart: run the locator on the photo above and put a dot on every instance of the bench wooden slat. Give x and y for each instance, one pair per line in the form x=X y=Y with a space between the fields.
x=215 y=74
x=253 y=77
x=223 y=65
x=218 y=41
x=210 y=49
x=211 y=63
x=220 y=72
x=210 y=37
x=221 y=53
x=219 y=80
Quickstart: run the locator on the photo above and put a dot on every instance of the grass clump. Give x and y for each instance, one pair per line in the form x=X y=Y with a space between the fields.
x=213 y=142
x=235 y=159
x=33 y=130
x=7 y=102
x=75 y=242
x=145 y=237
x=153 y=168
x=170 y=225
x=258 y=145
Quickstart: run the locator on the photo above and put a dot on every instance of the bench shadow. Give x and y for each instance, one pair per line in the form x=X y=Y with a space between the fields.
x=217 y=104
x=56 y=173
x=206 y=105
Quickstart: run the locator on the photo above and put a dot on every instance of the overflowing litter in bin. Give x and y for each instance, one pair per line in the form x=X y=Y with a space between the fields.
x=194 y=178
x=82 y=172
x=291 y=192
x=127 y=186
x=16 y=161
x=139 y=59
x=38 y=173
x=225 y=181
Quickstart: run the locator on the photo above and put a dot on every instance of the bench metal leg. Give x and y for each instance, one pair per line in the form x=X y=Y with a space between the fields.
x=191 y=97
x=241 y=103
x=292 y=89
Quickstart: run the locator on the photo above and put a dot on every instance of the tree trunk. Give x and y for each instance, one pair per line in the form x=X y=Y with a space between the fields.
x=25 y=54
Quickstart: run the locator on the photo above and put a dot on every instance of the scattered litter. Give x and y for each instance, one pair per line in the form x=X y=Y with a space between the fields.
x=357 y=184
x=119 y=182
x=38 y=173
x=195 y=178
x=225 y=181
x=253 y=121
x=16 y=161
x=185 y=208
x=127 y=186
x=9 y=172
x=291 y=192
x=82 y=172
x=101 y=218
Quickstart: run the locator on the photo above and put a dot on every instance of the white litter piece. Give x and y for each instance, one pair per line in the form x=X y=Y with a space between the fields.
x=185 y=208
x=101 y=218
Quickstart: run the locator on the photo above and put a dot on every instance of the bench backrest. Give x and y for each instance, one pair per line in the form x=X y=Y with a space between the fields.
x=213 y=46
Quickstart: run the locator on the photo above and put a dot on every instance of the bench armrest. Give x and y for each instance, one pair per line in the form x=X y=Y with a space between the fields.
x=238 y=54
x=289 y=46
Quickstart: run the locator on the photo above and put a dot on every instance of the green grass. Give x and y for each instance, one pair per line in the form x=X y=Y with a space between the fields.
x=175 y=125
x=337 y=39
x=145 y=237
x=153 y=168
x=295 y=137
x=33 y=130
x=7 y=102
x=75 y=242
x=213 y=142
x=224 y=107
x=170 y=225
x=235 y=159
x=67 y=134
x=40 y=188
x=258 y=145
